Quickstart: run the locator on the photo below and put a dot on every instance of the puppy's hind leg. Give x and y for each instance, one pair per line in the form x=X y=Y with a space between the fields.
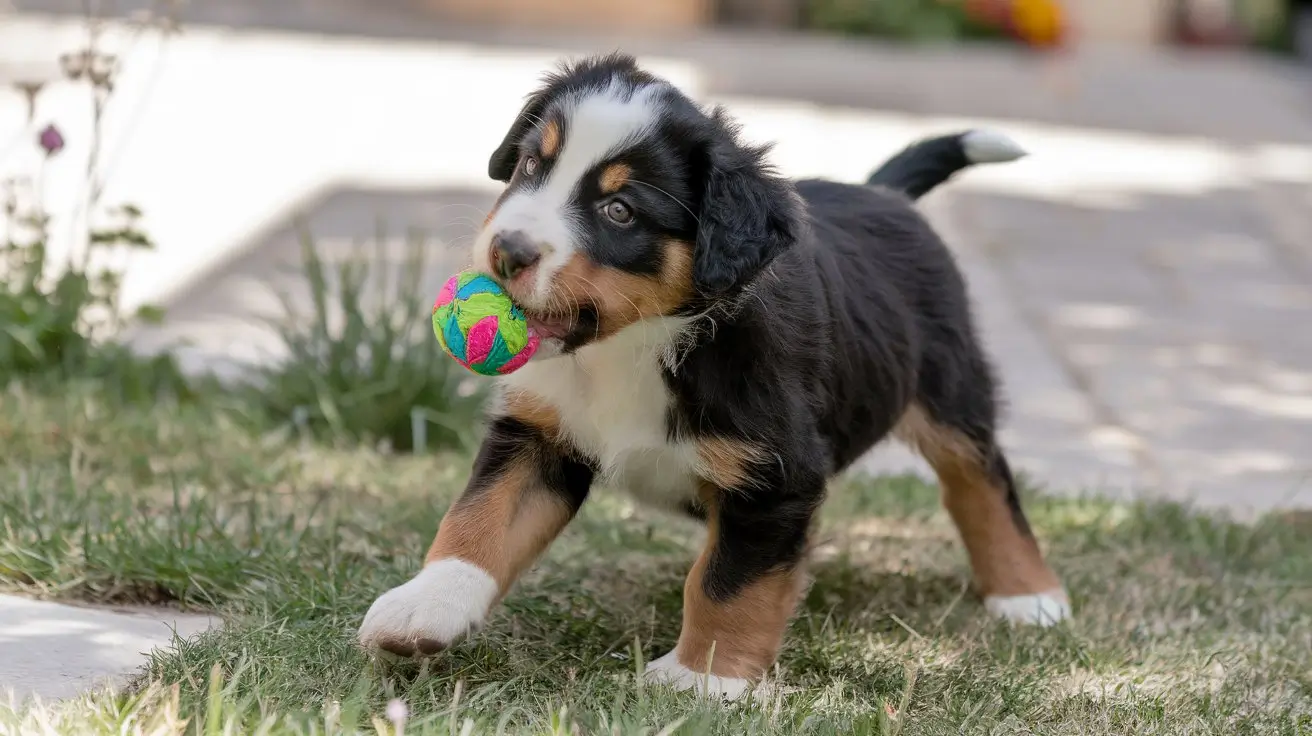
x=980 y=495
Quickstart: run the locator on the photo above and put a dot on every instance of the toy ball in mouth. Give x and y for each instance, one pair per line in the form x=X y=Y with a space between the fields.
x=479 y=326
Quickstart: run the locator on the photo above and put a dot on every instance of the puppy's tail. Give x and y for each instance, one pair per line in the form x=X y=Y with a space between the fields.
x=925 y=164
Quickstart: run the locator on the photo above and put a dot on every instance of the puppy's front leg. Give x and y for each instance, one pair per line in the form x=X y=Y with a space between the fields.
x=741 y=592
x=522 y=492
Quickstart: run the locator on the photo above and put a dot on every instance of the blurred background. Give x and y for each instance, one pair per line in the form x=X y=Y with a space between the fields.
x=275 y=188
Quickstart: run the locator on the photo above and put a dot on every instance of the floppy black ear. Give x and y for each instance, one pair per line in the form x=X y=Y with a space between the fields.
x=502 y=164
x=749 y=215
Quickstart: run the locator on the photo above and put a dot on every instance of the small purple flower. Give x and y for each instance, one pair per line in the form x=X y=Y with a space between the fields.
x=51 y=140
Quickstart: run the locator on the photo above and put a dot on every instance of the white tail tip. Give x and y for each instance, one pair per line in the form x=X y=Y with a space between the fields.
x=990 y=147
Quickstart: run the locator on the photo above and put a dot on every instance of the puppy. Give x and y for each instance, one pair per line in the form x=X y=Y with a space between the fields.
x=720 y=341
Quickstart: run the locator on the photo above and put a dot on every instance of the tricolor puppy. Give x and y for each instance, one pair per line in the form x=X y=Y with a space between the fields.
x=719 y=340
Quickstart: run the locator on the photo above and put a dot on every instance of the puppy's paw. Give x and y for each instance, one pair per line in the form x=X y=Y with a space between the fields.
x=1040 y=609
x=447 y=600
x=668 y=671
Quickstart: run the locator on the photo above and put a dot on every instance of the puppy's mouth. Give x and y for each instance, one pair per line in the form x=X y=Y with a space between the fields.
x=573 y=328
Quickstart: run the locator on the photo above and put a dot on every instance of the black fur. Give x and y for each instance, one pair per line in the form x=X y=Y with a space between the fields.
x=501 y=165
x=510 y=440
x=835 y=308
x=748 y=214
x=844 y=331
x=922 y=165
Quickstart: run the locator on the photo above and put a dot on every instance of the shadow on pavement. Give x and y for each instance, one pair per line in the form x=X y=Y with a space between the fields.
x=1180 y=317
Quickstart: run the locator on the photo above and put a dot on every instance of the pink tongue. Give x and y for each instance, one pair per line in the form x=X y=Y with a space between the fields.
x=556 y=328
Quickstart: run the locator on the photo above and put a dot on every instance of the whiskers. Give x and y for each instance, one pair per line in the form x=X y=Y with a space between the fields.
x=673 y=198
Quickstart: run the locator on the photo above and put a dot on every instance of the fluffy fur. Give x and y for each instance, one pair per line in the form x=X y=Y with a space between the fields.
x=720 y=340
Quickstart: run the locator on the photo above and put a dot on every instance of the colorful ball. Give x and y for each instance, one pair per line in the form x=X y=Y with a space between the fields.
x=480 y=326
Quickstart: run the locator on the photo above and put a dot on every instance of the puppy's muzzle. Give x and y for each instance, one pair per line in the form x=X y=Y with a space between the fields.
x=513 y=253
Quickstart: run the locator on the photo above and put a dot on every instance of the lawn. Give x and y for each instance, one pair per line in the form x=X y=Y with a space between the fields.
x=1184 y=623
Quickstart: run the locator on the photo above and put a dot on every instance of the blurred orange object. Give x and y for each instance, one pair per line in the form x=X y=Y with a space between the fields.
x=1038 y=23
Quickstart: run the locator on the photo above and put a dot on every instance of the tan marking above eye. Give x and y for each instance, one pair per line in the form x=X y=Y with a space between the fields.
x=614 y=177
x=550 y=139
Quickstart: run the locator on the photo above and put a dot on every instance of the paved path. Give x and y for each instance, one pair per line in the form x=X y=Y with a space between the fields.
x=50 y=650
x=1144 y=279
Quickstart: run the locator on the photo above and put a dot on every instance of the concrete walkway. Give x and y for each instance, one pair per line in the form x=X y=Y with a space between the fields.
x=1144 y=279
x=52 y=651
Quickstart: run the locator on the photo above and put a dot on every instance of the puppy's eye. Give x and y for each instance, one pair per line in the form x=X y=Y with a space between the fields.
x=530 y=165
x=618 y=212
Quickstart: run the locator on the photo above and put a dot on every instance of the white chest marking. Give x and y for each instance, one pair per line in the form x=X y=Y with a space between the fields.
x=613 y=404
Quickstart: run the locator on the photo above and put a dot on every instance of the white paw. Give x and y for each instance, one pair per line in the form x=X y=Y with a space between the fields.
x=1043 y=609
x=668 y=671
x=447 y=600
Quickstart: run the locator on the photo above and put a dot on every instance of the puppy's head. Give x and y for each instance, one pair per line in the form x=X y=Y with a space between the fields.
x=625 y=201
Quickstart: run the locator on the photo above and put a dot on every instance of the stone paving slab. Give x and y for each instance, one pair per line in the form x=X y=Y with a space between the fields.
x=1179 y=320
x=52 y=651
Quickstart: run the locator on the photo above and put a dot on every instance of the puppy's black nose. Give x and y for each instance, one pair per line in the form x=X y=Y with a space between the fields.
x=512 y=253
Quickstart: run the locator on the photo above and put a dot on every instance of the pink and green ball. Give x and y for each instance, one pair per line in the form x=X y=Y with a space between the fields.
x=479 y=326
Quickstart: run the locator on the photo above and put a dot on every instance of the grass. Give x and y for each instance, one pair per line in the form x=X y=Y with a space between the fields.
x=361 y=362
x=1185 y=623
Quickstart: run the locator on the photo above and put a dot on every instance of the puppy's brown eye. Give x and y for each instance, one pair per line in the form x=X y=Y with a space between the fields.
x=619 y=212
x=530 y=165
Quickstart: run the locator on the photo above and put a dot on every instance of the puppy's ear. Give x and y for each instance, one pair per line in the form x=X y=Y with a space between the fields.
x=749 y=215
x=501 y=166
